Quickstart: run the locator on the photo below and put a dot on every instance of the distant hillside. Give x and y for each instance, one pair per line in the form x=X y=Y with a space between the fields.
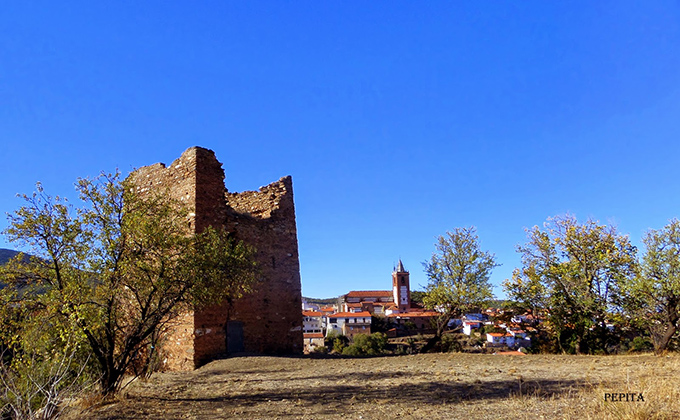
x=325 y=301
x=6 y=255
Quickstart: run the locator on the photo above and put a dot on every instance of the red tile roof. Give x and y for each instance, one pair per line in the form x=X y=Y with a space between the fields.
x=370 y=293
x=311 y=313
x=414 y=314
x=313 y=335
x=364 y=314
x=359 y=304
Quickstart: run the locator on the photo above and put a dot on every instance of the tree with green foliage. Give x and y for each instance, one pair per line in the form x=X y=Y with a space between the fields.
x=574 y=272
x=458 y=275
x=39 y=370
x=336 y=341
x=118 y=270
x=380 y=323
x=417 y=296
x=652 y=298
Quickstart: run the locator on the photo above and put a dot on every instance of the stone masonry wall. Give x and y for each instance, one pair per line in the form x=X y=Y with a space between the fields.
x=179 y=181
x=265 y=219
x=272 y=317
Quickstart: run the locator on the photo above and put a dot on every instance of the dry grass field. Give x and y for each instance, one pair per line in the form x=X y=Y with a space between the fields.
x=428 y=386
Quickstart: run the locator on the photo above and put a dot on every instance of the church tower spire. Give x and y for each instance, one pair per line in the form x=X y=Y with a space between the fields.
x=401 y=288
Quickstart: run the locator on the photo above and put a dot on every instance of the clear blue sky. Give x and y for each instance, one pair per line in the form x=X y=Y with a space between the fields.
x=397 y=120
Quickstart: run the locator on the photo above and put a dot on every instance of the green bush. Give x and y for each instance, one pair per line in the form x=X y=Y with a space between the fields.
x=380 y=323
x=367 y=345
x=640 y=344
x=410 y=325
x=411 y=345
x=336 y=341
x=449 y=343
x=40 y=370
x=485 y=329
x=474 y=342
x=351 y=350
x=371 y=344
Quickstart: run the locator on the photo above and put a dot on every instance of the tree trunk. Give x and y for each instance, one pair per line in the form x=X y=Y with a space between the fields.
x=661 y=340
x=431 y=343
x=442 y=322
x=110 y=381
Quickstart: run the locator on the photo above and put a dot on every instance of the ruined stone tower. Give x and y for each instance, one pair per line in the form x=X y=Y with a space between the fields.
x=268 y=321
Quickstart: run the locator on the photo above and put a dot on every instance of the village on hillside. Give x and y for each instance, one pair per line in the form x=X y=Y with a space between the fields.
x=396 y=314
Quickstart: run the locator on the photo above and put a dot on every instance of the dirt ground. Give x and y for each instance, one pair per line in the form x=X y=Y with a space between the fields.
x=428 y=386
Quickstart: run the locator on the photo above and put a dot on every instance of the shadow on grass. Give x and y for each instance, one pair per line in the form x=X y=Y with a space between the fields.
x=330 y=377
x=258 y=387
x=432 y=392
x=333 y=397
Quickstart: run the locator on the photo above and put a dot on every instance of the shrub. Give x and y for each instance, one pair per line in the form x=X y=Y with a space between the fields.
x=380 y=323
x=352 y=350
x=320 y=350
x=371 y=344
x=411 y=345
x=339 y=344
x=367 y=345
x=41 y=371
x=640 y=344
x=475 y=342
x=336 y=341
x=449 y=343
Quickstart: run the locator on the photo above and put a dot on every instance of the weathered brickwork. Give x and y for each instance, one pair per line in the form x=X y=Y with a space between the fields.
x=271 y=318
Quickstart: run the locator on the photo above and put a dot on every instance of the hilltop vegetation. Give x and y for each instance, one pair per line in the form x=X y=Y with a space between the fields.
x=320 y=301
x=6 y=255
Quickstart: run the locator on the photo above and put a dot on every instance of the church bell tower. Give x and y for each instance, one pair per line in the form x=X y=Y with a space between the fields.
x=401 y=288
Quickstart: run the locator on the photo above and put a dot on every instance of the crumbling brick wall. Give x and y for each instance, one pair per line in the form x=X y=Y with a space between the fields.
x=271 y=317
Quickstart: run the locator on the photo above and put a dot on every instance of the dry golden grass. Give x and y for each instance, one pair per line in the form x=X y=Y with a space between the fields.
x=658 y=383
x=433 y=386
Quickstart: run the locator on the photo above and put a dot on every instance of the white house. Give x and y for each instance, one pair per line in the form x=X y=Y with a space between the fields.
x=468 y=326
x=349 y=323
x=517 y=333
x=312 y=322
x=522 y=339
x=500 y=339
x=307 y=306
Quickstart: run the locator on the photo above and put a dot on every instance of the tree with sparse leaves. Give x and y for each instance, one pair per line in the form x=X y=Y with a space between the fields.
x=458 y=275
x=118 y=270
x=574 y=272
x=652 y=298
